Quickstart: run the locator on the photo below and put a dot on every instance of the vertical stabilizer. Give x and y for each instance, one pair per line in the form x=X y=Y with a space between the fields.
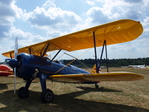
x=94 y=69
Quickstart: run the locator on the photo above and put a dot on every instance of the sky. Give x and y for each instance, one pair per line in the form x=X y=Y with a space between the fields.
x=34 y=21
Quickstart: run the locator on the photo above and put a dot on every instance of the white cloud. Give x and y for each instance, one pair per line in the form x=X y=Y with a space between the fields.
x=146 y=29
x=90 y=2
x=133 y=1
x=19 y=13
x=53 y=34
x=132 y=14
x=97 y=15
x=55 y=20
x=50 y=16
x=134 y=49
x=7 y=15
x=146 y=22
x=25 y=38
x=122 y=9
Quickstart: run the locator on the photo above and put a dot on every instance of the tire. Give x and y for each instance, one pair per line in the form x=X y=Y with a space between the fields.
x=47 y=96
x=23 y=93
x=96 y=86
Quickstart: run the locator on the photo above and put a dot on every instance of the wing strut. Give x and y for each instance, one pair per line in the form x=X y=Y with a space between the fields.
x=45 y=50
x=104 y=45
x=10 y=55
x=56 y=55
x=106 y=55
x=30 y=51
x=96 y=61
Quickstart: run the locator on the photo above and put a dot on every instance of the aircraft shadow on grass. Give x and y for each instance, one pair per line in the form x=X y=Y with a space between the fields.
x=64 y=102
x=3 y=86
x=101 y=89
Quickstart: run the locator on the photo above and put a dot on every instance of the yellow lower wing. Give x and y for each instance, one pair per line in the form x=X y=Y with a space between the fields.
x=111 y=76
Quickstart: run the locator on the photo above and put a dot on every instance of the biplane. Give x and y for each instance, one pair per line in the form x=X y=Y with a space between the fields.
x=30 y=62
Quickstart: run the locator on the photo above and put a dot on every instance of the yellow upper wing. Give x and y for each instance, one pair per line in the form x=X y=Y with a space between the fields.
x=114 y=32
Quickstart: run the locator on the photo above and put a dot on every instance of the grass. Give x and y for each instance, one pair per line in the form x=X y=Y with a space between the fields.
x=120 y=96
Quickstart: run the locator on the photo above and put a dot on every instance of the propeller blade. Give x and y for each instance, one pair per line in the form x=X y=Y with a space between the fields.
x=15 y=56
x=14 y=80
x=16 y=49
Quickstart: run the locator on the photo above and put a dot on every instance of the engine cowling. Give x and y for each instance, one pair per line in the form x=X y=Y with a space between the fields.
x=23 y=67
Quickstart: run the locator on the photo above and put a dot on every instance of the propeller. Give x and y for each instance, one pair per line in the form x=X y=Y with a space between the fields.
x=15 y=57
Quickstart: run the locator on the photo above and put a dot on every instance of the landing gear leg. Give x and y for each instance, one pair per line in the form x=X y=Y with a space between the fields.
x=23 y=92
x=46 y=94
x=96 y=85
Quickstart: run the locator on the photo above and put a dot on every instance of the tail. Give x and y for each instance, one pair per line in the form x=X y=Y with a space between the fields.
x=94 y=69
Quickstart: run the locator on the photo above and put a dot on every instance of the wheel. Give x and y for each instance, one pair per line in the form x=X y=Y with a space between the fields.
x=96 y=86
x=23 y=93
x=47 y=96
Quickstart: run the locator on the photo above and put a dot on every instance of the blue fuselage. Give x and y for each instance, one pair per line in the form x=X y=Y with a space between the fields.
x=29 y=64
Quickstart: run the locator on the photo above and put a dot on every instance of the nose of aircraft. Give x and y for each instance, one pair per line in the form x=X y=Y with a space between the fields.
x=13 y=63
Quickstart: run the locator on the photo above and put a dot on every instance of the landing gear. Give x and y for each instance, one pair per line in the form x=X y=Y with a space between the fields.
x=96 y=85
x=23 y=92
x=47 y=96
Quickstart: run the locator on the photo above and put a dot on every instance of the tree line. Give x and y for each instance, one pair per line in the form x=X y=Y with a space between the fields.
x=111 y=62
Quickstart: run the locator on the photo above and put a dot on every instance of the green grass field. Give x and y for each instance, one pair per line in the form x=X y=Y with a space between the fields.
x=113 y=97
